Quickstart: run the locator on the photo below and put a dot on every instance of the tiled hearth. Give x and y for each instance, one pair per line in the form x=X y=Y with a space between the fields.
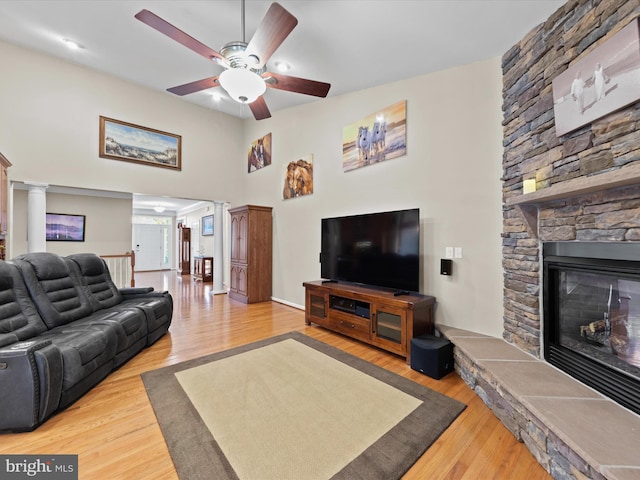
x=572 y=430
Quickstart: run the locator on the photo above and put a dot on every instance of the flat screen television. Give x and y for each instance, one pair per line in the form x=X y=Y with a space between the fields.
x=64 y=228
x=378 y=249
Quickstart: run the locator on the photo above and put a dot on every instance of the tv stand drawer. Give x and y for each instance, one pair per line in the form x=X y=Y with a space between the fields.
x=352 y=325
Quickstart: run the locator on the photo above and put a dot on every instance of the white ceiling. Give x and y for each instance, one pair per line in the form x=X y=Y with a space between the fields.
x=352 y=44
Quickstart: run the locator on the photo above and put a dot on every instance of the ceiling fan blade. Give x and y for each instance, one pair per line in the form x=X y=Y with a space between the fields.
x=276 y=25
x=154 y=21
x=259 y=109
x=196 y=86
x=297 y=85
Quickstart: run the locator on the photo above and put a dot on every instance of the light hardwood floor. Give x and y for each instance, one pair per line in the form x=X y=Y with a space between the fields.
x=114 y=431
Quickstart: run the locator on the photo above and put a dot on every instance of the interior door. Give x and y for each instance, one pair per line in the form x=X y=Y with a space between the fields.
x=151 y=244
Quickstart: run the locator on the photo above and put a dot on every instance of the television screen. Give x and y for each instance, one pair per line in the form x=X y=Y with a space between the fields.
x=379 y=249
x=64 y=228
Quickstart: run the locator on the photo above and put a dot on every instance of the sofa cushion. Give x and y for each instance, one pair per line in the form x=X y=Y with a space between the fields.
x=157 y=311
x=103 y=294
x=129 y=326
x=19 y=319
x=59 y=297
x=84 y=349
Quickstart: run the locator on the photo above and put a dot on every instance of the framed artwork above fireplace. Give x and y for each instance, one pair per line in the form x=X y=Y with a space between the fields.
x=603 y=81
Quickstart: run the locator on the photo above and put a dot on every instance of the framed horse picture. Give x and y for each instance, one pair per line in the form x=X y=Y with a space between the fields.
x=297 y=178
x=259 y=154
x=375 y=138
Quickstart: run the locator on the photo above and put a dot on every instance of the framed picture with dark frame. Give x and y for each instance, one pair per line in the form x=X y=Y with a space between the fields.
x=134 y=143
x=62 y=227
x=207 y=225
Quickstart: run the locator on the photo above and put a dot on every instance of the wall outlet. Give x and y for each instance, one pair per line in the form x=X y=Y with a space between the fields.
x=448 y=252
x=457 y=252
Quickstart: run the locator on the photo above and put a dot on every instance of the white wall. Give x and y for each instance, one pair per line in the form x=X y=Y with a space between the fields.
x=49 y=114
x=107 y=222
x=451 y=172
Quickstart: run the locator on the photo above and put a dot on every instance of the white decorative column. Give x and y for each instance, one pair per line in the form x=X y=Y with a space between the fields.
x=36 y=223
x=218 y=244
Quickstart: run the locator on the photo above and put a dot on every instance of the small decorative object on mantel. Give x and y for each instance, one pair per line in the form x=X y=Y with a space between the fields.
x=133 y=143
x=298 y=178
x=259 y=154
x=603 y=81
x=375 y=138
x=529 y=185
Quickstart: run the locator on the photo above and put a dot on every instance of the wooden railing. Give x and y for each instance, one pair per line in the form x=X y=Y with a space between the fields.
x=121 y=269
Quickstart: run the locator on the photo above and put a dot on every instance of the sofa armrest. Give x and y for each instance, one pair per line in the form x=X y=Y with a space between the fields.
x=137 y=293
x=135 y=290
x=30 y=383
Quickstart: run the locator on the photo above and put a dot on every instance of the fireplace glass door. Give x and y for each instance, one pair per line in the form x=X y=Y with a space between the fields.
x=592 y=321
x=599 y=316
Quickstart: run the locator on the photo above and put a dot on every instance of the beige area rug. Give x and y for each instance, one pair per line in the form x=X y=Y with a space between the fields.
x=291 y=407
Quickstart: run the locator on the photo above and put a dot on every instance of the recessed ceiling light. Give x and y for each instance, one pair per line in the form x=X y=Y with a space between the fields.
x=283 y=66
x=72 y=45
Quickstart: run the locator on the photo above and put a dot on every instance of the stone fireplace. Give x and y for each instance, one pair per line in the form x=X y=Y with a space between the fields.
x=587 y=195
x=591 y=315
x=588 y=180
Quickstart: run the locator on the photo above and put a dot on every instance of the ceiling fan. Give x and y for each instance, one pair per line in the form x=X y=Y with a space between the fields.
x=245 y=77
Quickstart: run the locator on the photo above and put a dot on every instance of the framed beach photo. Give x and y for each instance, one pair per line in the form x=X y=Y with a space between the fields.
x=601 y=82
x=62 y=227
x=133 y=143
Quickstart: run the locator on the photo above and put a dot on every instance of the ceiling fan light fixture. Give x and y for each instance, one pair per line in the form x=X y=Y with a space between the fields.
x=243 y=85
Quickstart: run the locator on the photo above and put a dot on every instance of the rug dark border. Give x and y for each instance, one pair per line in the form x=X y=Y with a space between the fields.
x=196 y=454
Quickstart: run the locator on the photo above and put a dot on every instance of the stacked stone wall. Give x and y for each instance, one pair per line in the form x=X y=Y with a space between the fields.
x=533 y=150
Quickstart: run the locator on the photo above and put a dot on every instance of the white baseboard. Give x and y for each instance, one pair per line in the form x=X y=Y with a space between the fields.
x=290 y=304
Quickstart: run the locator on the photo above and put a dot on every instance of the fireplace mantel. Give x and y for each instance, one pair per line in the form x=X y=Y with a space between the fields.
x=528 y=203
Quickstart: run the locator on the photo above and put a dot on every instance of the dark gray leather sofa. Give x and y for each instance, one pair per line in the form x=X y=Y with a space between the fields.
x=64 y=326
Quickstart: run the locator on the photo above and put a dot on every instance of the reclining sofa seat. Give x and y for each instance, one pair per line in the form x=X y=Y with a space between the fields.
x=58 y=339
x=95 y=277
x=63 y=303
x=31 y=366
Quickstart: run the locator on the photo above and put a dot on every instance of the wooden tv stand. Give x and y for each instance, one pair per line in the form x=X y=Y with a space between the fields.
x=372 y=315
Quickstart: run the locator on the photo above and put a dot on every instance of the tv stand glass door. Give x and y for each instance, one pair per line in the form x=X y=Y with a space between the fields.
x=388 y=328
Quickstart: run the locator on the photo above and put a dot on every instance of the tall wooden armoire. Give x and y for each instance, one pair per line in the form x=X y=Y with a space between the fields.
x=251 y=247
x=184 y=250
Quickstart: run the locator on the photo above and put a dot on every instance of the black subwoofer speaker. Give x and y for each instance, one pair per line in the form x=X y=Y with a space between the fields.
x=432 y=355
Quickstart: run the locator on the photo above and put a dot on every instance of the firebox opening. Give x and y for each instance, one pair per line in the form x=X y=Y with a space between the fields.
x=591 y=315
